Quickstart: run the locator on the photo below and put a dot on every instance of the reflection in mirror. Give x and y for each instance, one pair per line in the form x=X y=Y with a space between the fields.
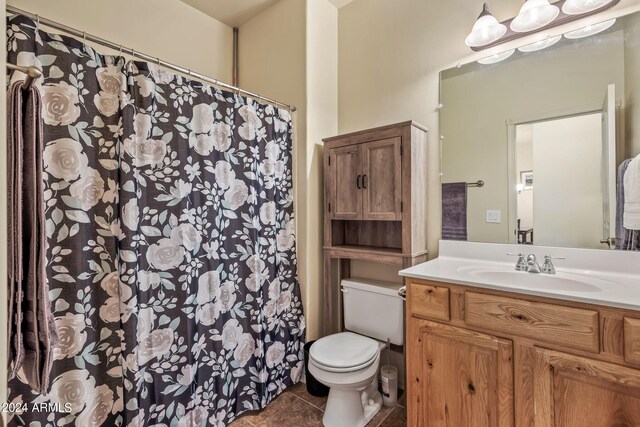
x=546 y=132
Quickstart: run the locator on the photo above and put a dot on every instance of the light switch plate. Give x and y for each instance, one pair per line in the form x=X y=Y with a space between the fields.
x=494 y=216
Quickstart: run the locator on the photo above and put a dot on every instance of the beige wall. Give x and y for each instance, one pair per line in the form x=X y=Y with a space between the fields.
x=632 y=88
x=478 y=105
x=169 y=29
x=567 y=204
x=289 y=52
x=322 y=121
x=390 y=55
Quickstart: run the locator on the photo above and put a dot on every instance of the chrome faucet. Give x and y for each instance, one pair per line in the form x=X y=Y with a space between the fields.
x=547 y=267
x=521 y=264
x=532 y=264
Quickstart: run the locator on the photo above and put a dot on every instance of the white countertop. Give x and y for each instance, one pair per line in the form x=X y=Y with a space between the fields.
x=611 y=278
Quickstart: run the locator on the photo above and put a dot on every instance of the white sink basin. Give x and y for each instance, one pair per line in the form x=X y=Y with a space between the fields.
x=561 y=282
x=610 y=278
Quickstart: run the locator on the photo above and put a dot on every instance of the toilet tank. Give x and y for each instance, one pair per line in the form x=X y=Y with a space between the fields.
x=374 y=309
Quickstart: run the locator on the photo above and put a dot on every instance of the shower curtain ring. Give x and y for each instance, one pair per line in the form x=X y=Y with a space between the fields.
x=121 y=50
x=133 y=53
x=158 y=61
x=38 y=21
x=84 y=37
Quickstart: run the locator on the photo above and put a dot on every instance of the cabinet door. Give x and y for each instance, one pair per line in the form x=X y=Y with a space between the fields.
x=346 y=174
x=575 y=391
x=459 y=377
x=381 y=182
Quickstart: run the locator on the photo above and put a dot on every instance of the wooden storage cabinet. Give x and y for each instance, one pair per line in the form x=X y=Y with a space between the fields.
x=553 y=323
x=632 y=340
x=346 y=197
x=367 y=181
x=571 y=364
x=573 y=391
x=375 y=195
x=464 y=378
x=428 y=301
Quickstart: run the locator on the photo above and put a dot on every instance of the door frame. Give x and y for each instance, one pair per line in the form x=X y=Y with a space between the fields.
x=512 y=124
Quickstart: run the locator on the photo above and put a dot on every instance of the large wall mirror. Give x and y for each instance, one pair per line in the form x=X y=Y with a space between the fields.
x=544 y=131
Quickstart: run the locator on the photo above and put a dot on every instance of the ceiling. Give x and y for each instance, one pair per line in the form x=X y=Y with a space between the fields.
x=237 y=12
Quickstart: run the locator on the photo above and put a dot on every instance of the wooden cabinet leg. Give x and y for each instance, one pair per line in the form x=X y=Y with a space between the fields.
x=328 y=292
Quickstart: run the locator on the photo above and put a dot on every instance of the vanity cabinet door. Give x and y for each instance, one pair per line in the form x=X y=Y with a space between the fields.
x=345 y=198
x=458 y=377
x=381 y=180
x=573 y=391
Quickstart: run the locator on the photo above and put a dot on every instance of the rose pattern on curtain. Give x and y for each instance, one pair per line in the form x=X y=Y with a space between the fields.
x=171 y=243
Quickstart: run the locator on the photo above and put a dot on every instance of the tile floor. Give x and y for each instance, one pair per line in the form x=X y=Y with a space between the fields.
x=297 y=408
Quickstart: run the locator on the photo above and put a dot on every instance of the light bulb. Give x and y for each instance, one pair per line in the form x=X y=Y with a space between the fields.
x=534 y=15
x=578 y=7
x=541 y=44
x=486 y=30
x=493 y=59
x=590 y=30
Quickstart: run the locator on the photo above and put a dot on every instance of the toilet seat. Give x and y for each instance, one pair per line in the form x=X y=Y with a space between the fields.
x=344 y=352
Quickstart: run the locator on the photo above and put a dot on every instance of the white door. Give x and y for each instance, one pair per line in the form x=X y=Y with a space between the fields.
x=609 y=166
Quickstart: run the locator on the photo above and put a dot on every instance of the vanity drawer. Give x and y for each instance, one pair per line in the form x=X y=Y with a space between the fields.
x=555 y=324
x=632 y=340
x=429 y=301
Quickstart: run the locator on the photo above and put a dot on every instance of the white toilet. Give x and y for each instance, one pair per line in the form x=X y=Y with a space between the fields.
x=348 y=362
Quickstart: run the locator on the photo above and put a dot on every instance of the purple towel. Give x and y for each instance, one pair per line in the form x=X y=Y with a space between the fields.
x=14 y=186
x=454 y=211
x=31 y=323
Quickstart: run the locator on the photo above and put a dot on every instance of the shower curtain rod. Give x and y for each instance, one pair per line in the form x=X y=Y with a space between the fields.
x=95 y=39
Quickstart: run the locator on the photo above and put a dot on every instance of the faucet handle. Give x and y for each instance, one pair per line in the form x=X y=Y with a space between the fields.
x=521 y=264
x=548 y=267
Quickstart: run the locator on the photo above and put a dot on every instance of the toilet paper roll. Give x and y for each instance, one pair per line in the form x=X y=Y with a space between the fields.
x=389 y=377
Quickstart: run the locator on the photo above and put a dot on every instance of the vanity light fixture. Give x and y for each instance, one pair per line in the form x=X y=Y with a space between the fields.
x=494 y=59
x=534 y=15
x=577 y=7
x=590 y=30
x=486 y=30
x=540 y=44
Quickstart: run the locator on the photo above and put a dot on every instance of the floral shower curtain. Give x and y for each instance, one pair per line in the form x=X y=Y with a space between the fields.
x=171 y=245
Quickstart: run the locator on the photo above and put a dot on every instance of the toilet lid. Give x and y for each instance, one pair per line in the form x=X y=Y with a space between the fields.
x=344 y=350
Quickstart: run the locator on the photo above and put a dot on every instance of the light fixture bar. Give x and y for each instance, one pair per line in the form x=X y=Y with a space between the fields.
x=562 y=19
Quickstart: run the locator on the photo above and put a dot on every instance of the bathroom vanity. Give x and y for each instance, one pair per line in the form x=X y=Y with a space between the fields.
x=491 y=346
x=488 y=345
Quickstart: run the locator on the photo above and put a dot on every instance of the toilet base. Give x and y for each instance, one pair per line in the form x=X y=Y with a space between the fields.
x=352 y=408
